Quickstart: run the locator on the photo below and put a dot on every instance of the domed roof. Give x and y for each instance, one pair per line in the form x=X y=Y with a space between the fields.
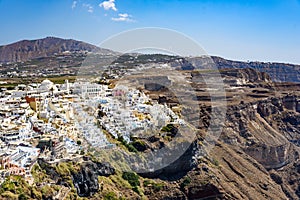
x=46 y=82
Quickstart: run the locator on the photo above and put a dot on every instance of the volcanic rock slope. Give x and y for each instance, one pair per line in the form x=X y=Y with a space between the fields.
x=255 y=157
x=257 y=153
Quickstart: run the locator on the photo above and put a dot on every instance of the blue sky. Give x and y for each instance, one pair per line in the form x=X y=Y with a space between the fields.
x=264 y=30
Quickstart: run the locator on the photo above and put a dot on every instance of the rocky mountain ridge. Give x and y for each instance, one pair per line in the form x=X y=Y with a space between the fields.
x=42 y=48
x=31 y=49
x=279 y=72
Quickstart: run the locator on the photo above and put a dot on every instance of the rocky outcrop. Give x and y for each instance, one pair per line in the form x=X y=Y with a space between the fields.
x=179 y=167
x=267 y=108
x=155 y=83
x=204 y=191
x=290 y=102
x=86 y=183
x=268 y=131
x=258 y=156
x=86 y=180
x=247 y=75
x=276 y=105
x=271 y=157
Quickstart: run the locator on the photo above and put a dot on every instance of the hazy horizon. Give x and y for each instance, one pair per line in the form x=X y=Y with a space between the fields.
x=266 y=31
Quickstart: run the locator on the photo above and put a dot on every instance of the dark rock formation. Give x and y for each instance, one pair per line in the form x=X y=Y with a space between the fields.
x=276 y=177
x=86 y=180
x=153 y=86
x=155 y=83
x=179 y=167
x=290 y=102
x=208 y=191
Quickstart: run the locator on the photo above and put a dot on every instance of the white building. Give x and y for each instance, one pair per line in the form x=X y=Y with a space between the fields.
x=89 y=90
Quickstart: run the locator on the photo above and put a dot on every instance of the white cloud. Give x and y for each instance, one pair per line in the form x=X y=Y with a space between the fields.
x=123 y=17
x=107 y=5
x=90 y=8
x=74 y=4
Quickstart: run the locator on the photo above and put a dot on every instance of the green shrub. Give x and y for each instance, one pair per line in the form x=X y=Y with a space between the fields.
x=139 y=145
x=15 y=187
x=130 y=147
x=63 y=169
x=110 y=196
x=7 y=185
x=47 y=191
x=136 y=189
x=132 y=178
x=170 y=129
x=186 y=181
x=35 y=194
x=22 y=197
x=147 y=183
x=167 y=128
x=215 y=162
x=157 y=187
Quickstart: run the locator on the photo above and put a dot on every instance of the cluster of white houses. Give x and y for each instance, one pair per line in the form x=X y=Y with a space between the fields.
x=31 y=117
x=132 y=113
x=47 y=120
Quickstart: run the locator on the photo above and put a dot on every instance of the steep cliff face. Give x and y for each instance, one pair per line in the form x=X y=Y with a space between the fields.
x=245 y=76
x=30 y=49
x=260 y=128
x=260 y=138
x=227 y=173
x=282 y=114
x=268 y=131
x=279 y=72
x=257 y=156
